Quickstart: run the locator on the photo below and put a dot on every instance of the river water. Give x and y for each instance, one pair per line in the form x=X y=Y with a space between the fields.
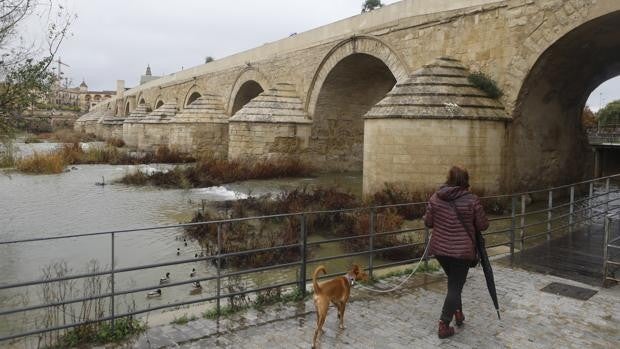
x=70 y=203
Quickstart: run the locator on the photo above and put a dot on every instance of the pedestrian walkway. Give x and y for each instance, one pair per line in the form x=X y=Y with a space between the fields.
x=408 y=317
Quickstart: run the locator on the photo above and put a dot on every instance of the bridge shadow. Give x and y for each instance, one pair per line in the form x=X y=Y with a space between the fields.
x=577 y=256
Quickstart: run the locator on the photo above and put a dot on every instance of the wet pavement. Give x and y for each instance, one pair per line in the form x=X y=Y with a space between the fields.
x=408 y=317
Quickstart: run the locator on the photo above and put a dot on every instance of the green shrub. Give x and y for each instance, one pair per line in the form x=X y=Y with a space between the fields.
x=100 y=333
x=183 y=320
x=486 y=84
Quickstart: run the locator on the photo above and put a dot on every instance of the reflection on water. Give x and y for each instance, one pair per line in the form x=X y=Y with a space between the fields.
x=71 y=203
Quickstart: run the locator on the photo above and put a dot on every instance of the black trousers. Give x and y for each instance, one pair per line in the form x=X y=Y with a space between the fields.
x=456 y=270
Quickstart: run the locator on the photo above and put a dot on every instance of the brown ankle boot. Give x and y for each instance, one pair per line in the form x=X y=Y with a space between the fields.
x=445 y=331
x=459 y=317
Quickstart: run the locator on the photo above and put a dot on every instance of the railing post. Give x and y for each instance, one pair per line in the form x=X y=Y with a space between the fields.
x=549 y=215
x=607 y=196
x=371 y=239
x=426 y=242
x=571 y=218
x=591 y=193
x=218 y=266
x=112 y=310
x=513 y=224
x=605 y=245
x=522 y=232
x=302 y=250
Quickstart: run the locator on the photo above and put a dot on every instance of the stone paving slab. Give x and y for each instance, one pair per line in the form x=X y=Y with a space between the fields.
x=408 y=318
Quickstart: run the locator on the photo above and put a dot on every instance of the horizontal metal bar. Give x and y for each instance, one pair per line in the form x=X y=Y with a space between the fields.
x=43 y=281
x=612 y=262
x=497 y=245
x=529 y=225
x=383 y=249
x=344 y=238
x=393 y=264
x=261 y=269
x=497 y=232
x=347 y=255
x=502 y=218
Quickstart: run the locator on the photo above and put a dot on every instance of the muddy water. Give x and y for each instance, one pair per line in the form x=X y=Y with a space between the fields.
x=71 y=203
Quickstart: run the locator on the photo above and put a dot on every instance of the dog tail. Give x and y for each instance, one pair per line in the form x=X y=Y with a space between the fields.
x=315 y=284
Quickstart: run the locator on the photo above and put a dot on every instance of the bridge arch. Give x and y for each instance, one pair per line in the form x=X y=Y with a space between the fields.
x=159 y=101
x=353 y=77
x=368 y=45
x=192 y=95
x=249 y=84
x=547 y=114
x=141 y=99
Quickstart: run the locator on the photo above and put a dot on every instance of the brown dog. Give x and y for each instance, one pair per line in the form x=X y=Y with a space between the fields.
x=336 y=291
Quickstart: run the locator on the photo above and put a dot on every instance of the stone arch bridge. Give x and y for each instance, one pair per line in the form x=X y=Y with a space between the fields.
x=387 y=92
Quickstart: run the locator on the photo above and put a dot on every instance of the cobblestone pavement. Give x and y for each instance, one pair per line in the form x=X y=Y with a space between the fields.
x=408 y=319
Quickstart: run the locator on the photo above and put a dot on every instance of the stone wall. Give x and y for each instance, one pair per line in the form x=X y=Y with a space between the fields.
x=418 y=153
x=251 y=141
x=200 y=139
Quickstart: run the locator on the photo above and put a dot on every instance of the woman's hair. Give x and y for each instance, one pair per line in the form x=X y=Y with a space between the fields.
x=458 y=177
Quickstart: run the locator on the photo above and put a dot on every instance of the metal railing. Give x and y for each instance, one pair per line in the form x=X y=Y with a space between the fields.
x=611 y=248
x=600 y=139
x=567 y=208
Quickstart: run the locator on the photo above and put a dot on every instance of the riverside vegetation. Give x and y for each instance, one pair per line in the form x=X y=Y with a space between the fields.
x=208 y=171
x=284 y=231
x=89 y=312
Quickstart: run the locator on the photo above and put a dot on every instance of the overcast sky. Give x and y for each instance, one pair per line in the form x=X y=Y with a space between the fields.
x=116 y=39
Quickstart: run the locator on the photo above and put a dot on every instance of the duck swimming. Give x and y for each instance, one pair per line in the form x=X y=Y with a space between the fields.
x=165 y=279
x=153 y=294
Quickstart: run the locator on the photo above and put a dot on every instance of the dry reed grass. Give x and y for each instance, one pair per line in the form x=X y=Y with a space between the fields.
x=208 y=172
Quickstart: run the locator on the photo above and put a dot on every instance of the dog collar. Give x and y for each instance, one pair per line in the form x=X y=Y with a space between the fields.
x=350 y=278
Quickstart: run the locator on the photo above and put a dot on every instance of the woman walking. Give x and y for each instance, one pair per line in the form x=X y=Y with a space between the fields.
x=455 y=214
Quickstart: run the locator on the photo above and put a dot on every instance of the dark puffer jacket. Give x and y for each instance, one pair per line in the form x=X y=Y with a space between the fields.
x=449 y=236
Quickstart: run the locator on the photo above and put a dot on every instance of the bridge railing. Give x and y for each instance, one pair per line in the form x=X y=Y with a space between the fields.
x=516 y=221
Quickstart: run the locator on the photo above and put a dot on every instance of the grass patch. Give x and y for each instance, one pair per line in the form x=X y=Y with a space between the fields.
x=486 y=84
x=263 y=298
x=226 y=310
x=183 y=320
x=74 y=154
x=99 y=334
x=66 y=135
x=39 y=163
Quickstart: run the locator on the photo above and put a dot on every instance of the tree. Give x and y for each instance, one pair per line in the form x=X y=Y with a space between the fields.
x=24 y=74
x=610 y=115
x=370 y=5
x=588 y=119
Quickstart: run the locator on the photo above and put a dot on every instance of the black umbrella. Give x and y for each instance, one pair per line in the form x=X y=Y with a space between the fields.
x=488 y=270
x=484 y=259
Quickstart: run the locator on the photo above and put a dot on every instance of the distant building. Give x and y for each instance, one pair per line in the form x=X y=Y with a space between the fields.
x=148 y=76
x=79 y=98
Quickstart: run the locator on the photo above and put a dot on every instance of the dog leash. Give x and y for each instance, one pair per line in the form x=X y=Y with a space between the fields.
x=379 y=290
